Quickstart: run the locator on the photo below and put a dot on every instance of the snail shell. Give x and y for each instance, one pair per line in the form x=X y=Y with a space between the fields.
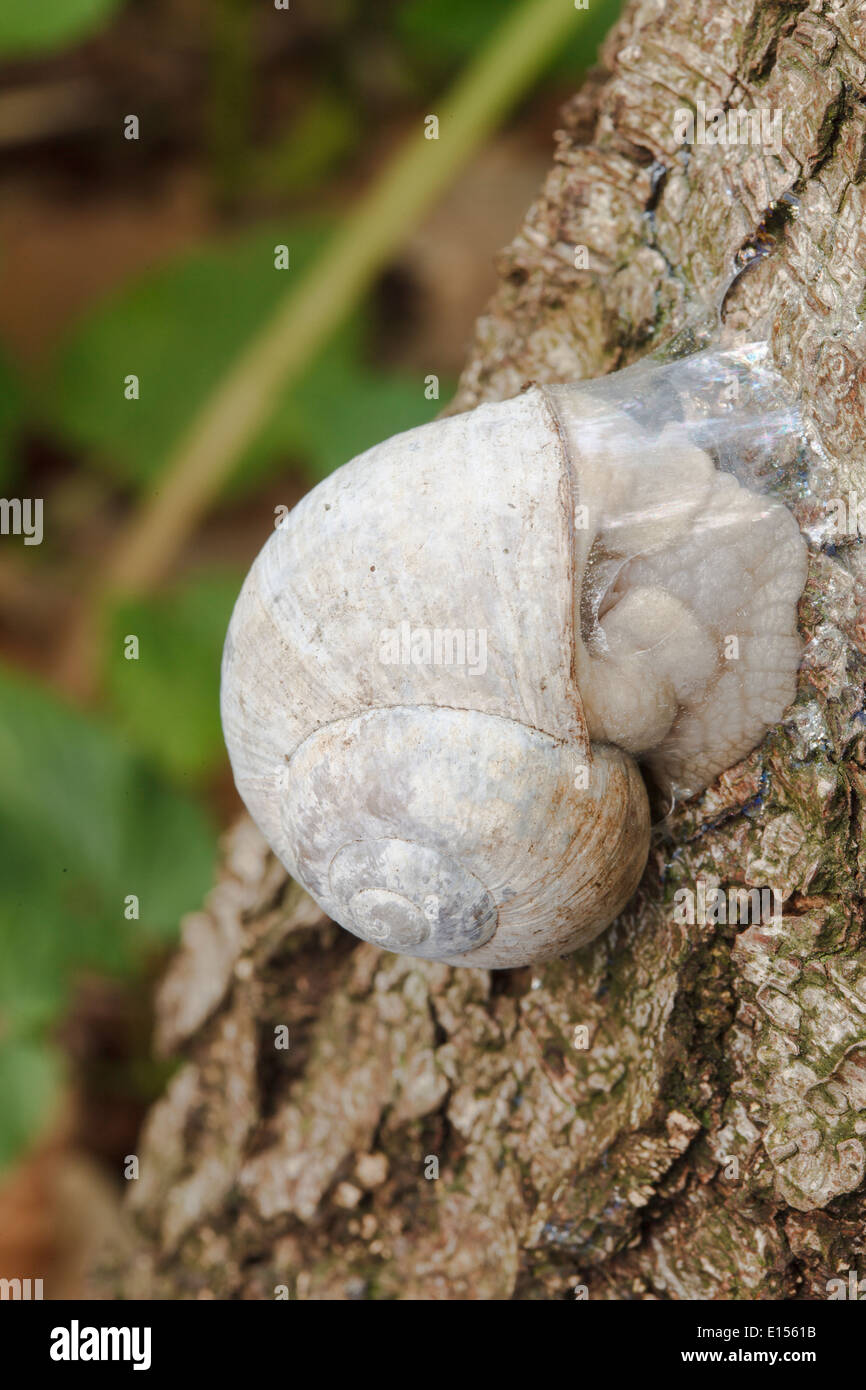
x=493 y=813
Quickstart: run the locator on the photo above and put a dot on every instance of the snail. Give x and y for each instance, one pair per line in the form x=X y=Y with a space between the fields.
x=452 y=663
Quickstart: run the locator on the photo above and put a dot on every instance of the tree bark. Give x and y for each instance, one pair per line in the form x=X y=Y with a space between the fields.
x=677 y=1111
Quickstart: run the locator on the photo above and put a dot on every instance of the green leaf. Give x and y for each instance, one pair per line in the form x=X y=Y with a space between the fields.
x=167 y=700
x=29 y=25
x=342 y=408
x=179 y=330
x=29 y=1080
x=83 y=825
x=34 y=947
x=167 y=856
x=453 y=29
x=448 y=32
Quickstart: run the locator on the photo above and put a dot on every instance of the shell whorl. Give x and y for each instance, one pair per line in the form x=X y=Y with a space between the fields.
x=488 y=810
x=439 y=809
x=513 y=857
x=460 y=524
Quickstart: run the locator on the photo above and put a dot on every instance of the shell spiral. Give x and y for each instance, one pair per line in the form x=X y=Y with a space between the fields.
x=446 y=660
x=401 y=707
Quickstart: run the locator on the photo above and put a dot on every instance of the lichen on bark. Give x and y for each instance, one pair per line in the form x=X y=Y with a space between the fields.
x=677 y=1111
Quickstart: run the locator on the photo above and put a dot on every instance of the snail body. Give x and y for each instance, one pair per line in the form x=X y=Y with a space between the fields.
x=492 y=812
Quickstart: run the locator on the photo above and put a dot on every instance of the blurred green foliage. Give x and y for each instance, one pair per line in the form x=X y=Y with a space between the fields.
x=12 y=408
x=84 y=824
x=325 y=131
x=439 y=34
x=30 y=1074
x=166 y=702
x=26 y=26
x=179 y=329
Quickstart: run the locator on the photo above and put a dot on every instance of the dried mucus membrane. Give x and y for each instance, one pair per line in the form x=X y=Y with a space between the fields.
x=624 y=550
x=688 y=566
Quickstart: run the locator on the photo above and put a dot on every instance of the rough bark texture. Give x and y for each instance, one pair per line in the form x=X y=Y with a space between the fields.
x=704 y=1137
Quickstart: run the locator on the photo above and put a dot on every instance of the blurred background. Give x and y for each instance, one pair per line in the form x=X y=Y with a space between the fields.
x=193 y=193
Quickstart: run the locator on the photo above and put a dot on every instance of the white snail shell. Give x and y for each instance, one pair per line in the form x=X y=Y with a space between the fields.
x=495 y=815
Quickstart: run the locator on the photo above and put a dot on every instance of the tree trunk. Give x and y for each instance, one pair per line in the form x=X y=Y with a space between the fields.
x=677 y=1111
